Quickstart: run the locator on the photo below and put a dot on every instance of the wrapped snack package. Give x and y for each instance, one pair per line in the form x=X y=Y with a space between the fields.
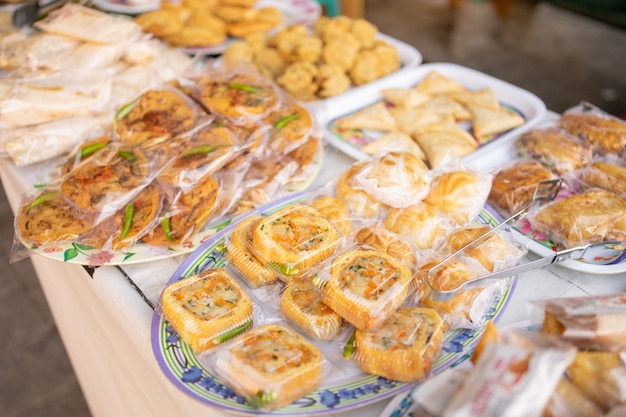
x=601 y=376
x=605 y=174
x=270 y=366
x=360 y=202
x=404 y=347
x=207 y=309
x=364 y=286
x=294 y=240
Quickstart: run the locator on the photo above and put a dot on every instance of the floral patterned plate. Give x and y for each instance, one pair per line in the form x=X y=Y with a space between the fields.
x=337 y=394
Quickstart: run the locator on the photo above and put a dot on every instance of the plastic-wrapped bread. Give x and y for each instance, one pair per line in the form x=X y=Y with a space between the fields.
x=606 y=133
x=207 y=309
x=360 y=203
x=404 y=348
x=605 y=175
x=270 y=366
x=301 y=303
x=420 y=224
x=238 y=253
x=600 y=376
x=365 y=286
x=293 y=240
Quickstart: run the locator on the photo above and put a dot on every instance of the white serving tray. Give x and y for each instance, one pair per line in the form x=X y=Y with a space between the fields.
x=531 y=107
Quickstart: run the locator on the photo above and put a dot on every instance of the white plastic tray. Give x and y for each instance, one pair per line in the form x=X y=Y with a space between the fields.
x=531 y=107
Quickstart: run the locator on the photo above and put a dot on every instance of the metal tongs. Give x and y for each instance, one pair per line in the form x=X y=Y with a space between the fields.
x=545 y=191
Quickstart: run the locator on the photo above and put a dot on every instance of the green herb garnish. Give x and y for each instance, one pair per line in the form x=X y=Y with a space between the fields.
x=283 y=121
x=348 y=349
x=128 y=220
x=235 y=331
x=123 y=112
x=199 y=150
x=41 y=199
x=243 y=87
x=285 y=269
x=165 y=225
x=91 y=149
x=128 y=155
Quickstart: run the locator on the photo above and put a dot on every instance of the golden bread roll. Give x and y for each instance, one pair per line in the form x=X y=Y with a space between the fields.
x=207 y=309
x=590 y=217
x=404 y=348
x=366 y=286
x=556 y=149
x=302 y=304
x=238 y=253
x=513 y=188
x=270 y=366
x=606 y=134
x=294 y=239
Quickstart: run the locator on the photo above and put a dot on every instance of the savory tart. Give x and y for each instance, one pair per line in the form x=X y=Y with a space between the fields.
x=513 y=187
x=294 y=239
x=301 y=303
x=404 y=348
x=48 y=217
x=106 y=183
x=238 y=253
x=207 y=309
x=291 y=125
x=153 y=118
x=366 y=286
x=555 y=148
x=270 y=366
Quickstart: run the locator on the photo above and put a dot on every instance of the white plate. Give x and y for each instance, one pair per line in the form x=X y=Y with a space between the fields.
x=124 y=7
x=346 y=389
x=531 y=107
x=301 y=12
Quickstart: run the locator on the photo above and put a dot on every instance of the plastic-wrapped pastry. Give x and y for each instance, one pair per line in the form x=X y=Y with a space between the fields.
x=569 y=401
x=394 y=179
x=383 y=240
x=291 y=124
x=365 y=286
x=302 y=304
x=207 y=309
x=270 y=366
x=444 y=142
x=404 y=347
x=49 y=217
x=513 y=188
x=83 y=152
x=293 y=240
x=420 y=224
x=605 y=175
x=590 y=217
x=335 y=211
x=606 y=134
x=238 y=253
x=459 y=195
x=555 y=148
x=600 y=376
x=359 y=202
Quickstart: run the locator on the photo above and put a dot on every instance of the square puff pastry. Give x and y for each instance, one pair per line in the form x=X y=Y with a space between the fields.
x=293 y=240
x=270 y=366
x=302 y=304
x=366 y=286
x=405 y=347
x=238 y=253
x=207 y=309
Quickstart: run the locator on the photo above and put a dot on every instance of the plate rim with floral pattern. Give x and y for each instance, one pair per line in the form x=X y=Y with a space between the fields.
x=183 y=369
x=81 y=254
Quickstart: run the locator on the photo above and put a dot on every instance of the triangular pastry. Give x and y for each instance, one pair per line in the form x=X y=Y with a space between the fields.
x=411 y=120
x=488 y=122
x=396 y=142
x=485 y=97
x=444 y=142
x=375 y=117
x=437 y=83
x=404 y=97
x=445 y=106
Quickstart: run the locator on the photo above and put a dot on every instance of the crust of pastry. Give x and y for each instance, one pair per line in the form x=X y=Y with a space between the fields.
x=302 y=304
x=294 y=239
x=607 y=135
x=374 y=117
x=199 y=312
x=239 y=255
x=459 y=195
x=487 y=122
x=335 y=211
x=485 y=97
x=271 y=366
x=413 y=339
x=607 y=176
x=556 y=148
x=359 y=202
x=420 y=223
x=366 y=286
x=383 y=240
x=444 y=142
x=437 y=83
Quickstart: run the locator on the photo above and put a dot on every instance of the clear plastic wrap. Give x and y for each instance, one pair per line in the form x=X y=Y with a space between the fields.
x=207 y=309
x=608 y=174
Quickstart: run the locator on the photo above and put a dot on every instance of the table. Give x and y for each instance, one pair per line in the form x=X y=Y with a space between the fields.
x=105 y=323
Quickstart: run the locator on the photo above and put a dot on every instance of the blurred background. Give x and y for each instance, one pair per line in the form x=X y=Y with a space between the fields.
x=563 y=51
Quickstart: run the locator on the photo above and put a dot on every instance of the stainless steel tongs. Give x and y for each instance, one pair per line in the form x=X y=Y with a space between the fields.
x=545 y=191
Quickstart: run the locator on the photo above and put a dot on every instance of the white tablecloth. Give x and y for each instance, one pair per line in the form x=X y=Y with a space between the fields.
x=105 y=323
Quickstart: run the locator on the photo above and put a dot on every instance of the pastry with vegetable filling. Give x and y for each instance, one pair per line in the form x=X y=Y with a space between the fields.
x=302 y=304
x=84 y=151
x=366 y=286
x=404 y=348
x=207 y=309
x=240 y=95
x=50 y=218
x=187 y=216
x=291 y=126
x=104 y=183
x=154 y=117
x=294 y=239
x=238 y=253
x=270 y=366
